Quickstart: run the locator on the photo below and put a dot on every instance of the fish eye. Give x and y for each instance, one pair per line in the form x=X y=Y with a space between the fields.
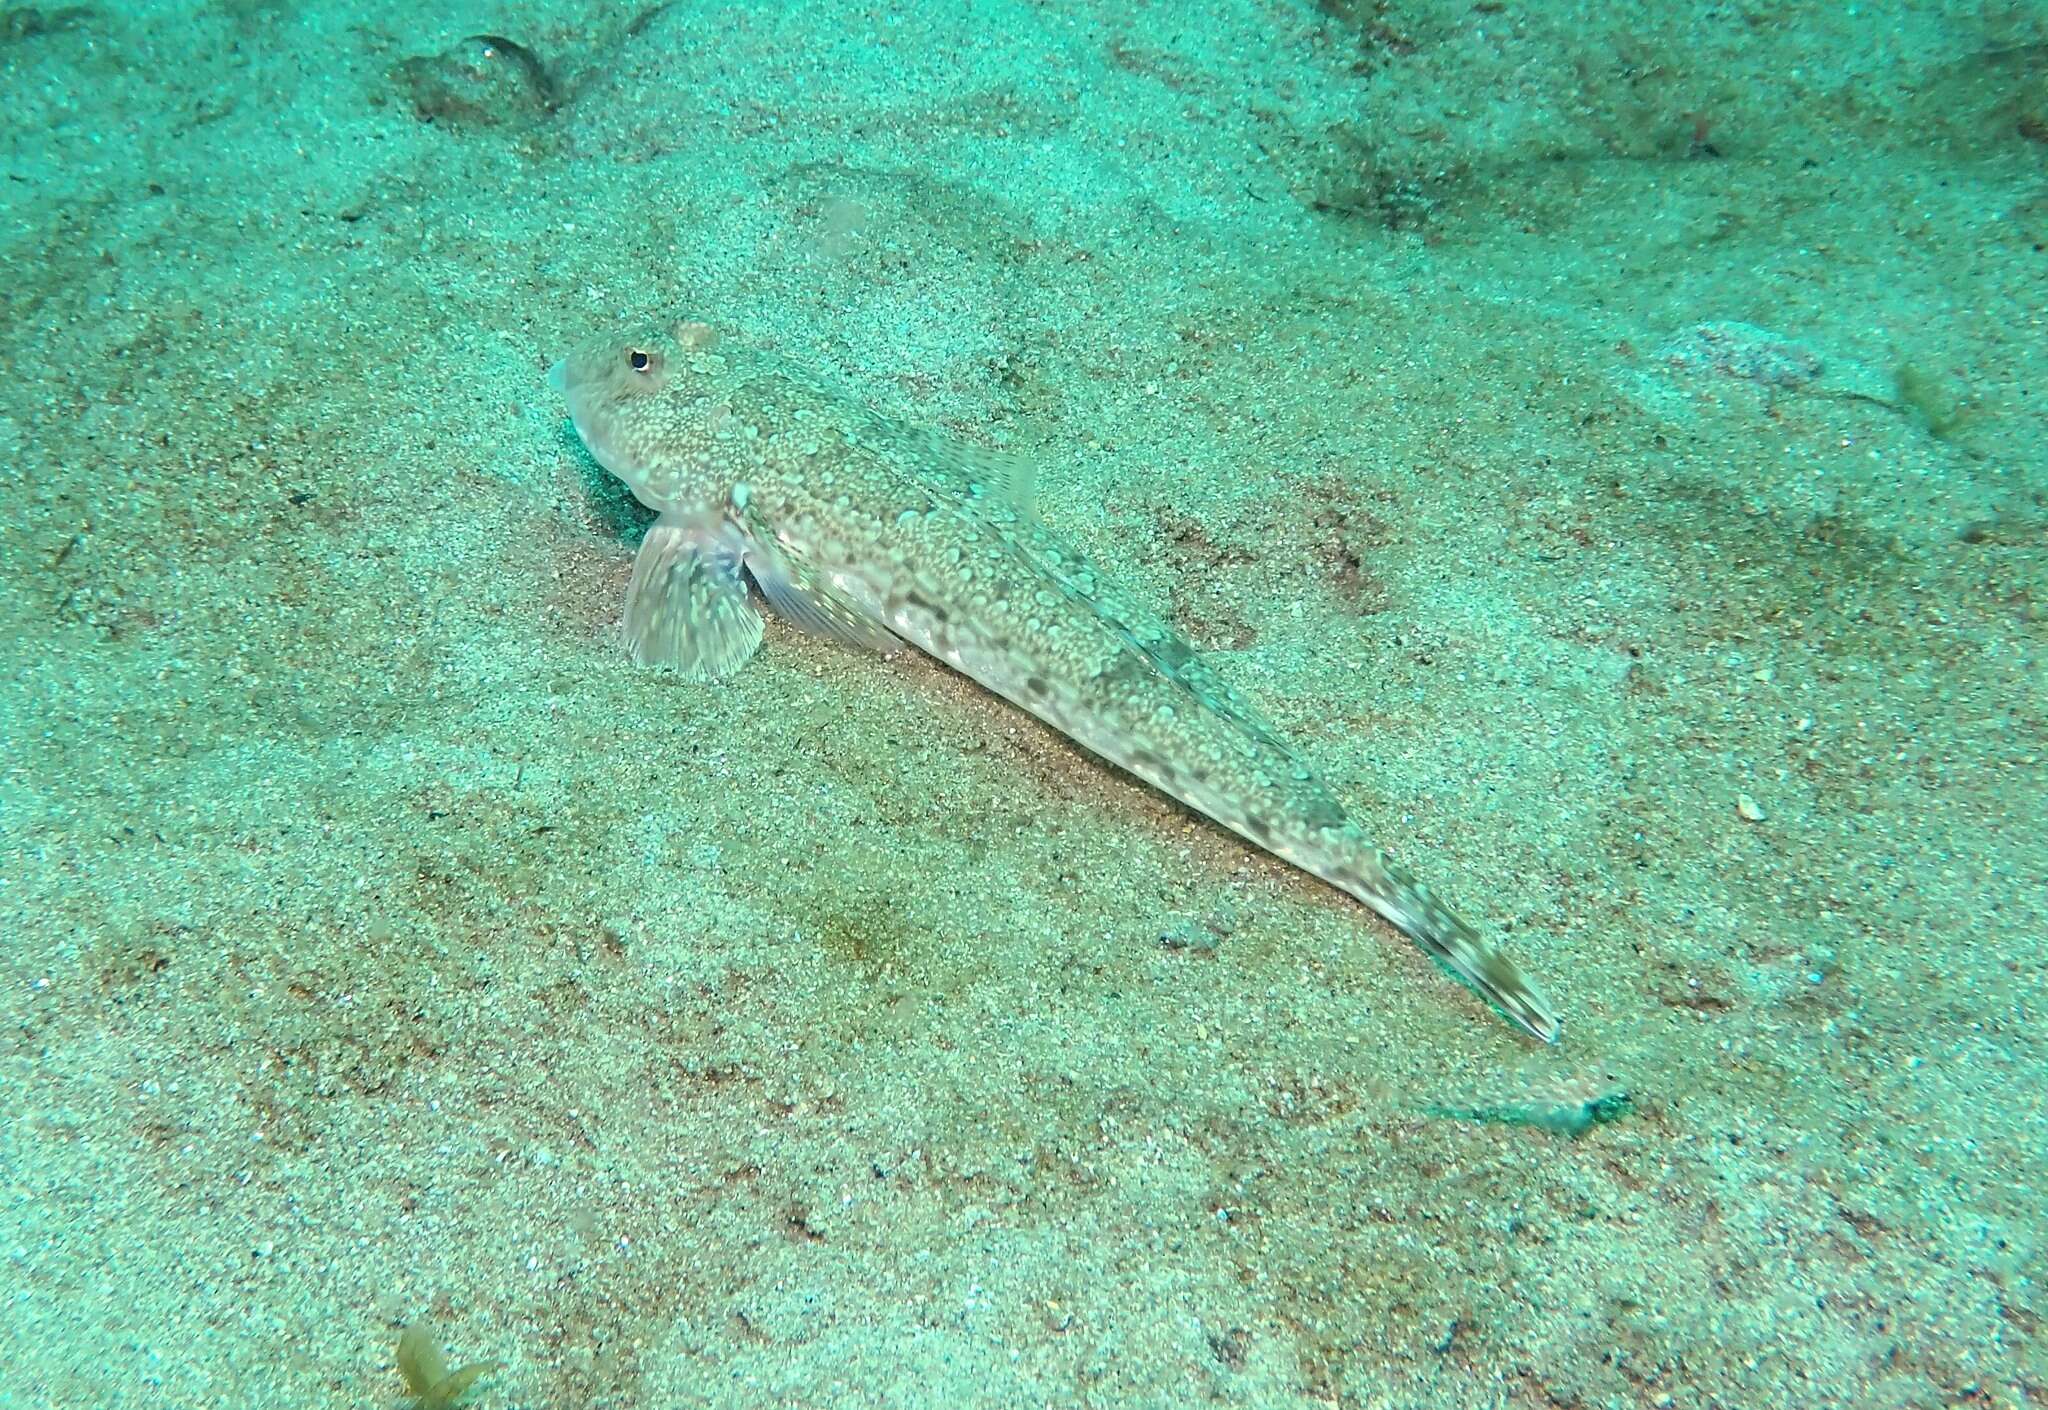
x=638 y=360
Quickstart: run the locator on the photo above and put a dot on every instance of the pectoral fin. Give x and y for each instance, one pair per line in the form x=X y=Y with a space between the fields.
x=802 y=596
x=687 y=606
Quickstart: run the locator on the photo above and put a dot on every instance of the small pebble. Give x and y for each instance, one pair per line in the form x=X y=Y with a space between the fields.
x=1747 y=807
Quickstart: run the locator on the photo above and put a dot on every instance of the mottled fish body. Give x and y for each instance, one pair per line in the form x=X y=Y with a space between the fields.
x=878 y=534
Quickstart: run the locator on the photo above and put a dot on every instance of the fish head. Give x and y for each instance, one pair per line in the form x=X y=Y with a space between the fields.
x=640 y=403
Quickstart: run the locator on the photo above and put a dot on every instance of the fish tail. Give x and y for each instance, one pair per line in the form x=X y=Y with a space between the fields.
x=1366 y=873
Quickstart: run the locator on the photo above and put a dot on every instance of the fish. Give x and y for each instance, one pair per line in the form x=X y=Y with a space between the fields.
x=883 y=535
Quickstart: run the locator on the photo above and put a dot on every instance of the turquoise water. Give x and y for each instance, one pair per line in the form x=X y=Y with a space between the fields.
x=1606 y=442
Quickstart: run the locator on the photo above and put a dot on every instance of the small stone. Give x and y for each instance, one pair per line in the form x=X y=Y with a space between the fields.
x=1748 y=808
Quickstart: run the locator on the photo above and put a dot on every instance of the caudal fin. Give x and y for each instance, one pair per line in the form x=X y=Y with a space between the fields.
x=1366 y=873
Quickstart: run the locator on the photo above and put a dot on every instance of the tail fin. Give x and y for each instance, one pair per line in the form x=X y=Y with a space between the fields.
x=1365 y=872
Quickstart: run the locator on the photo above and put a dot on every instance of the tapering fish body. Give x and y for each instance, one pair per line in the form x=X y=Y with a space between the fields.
x=880 y=534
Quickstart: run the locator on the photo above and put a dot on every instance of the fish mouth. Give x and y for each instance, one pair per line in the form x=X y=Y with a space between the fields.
x=595 y=441
x=579 y=415
x=590 y=430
